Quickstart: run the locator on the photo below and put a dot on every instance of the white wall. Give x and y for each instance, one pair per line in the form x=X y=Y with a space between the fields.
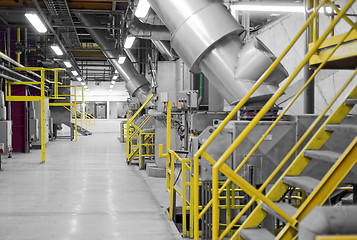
x=279 y=34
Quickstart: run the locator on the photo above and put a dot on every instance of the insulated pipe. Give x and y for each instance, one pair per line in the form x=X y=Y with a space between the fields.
x=147 y=31
x=211 y=45
x=329 y=221
x=165 y=49
x=136 y=84
x=152 y=18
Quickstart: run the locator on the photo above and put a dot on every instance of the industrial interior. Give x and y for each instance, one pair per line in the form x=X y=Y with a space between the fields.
x=178 y=119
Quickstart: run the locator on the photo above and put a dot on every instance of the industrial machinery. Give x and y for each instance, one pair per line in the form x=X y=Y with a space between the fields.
x=5 y=130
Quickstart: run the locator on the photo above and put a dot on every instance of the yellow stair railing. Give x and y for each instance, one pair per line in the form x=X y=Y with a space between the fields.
x=229 y=202
x=257 y=194
x=123 y=130
x=133 y=133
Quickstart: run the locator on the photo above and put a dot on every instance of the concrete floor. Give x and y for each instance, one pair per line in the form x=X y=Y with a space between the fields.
x=85 y=190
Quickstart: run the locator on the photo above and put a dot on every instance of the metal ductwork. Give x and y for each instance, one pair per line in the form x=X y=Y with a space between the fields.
x=329 y=221
x=211 y=45
x=147 y=31
x=152 y=18
x=136 y=84
x=165 y=49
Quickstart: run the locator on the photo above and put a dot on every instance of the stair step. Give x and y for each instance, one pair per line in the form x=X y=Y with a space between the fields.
x=256 y=234
x=341 y=127
x=322 y=155
x=286 y=207
x=308 y=184
x=351 y=101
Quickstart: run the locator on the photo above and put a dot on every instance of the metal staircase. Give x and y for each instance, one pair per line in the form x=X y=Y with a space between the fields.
x=263 y=209
x=318 y=190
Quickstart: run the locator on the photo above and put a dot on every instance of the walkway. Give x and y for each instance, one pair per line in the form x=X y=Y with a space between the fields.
x=85 y=191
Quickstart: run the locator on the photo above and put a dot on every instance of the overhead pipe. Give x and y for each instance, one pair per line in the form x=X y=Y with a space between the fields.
x=165 y=49
x=340 y=220
x=136 y=84
x=211 y=45
x=147 y=31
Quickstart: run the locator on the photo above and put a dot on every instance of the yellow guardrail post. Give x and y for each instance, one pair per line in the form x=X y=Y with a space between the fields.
x=75 y=111
x=43 y=122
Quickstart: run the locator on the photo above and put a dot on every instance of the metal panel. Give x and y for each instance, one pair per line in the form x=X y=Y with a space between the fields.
x=5 y=137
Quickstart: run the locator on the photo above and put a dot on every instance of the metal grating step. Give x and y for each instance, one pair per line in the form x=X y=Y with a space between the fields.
x=286 y=207
x=308 y=184
x=341 y=127
x=351 y=101
x=322 y=155
x=256 y=234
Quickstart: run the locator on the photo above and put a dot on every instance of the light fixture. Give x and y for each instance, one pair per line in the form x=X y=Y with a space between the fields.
x=75 y=73
x=85 y=86
x=36 y=22
x=111 y=86
x=79 y=78
x=87 y=89
x=142 y=9
x=57 y=50
x=112 y=82
x=121 y=59
x=67 y=64
x=129 y=41
x=83 y=83
x=268 y=8
x=115 y=77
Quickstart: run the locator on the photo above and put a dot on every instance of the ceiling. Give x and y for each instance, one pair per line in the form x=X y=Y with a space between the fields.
x=69 y=33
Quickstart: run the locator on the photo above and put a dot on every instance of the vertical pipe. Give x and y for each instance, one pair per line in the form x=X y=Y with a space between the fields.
x=309 y=93
x=25 y=46
x=18 y=41
x=8 y=46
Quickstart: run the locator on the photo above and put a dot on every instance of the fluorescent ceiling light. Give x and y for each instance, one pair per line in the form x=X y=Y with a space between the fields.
x=121 y=60
x=75 y=73
x=112 y=82
x=83 y=83
x=79 y=78
x=111 y=86
x=87 y=89
x=57 y=50
x=142 y=9
x=85 y=86
x=115 y=77
x=36 y=22
x=268 y=8
x=67 y=64
x=129 y=41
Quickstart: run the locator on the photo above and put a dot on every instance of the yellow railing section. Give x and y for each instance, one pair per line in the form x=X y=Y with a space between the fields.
x=232 y=176
x=230 y=201
x=9 y=97
x=337 y=237
x=146 y=147
x=133 y=133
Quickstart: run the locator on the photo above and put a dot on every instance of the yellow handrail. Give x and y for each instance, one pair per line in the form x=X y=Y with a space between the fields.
x=130 y=134
x=219 y=165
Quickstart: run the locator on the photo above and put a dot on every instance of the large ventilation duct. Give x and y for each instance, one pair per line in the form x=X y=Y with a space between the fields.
x=147 y=31
x=211 y=45
x=136 y=84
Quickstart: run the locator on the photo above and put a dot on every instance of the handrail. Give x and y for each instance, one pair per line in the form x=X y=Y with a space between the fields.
x=130 y=134
x=220 y=164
